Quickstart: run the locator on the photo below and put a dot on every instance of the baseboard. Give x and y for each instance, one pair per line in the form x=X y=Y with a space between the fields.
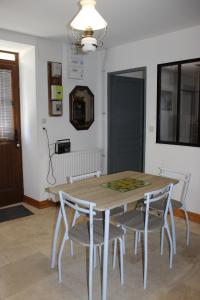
x=192 y=216
x=38 y=204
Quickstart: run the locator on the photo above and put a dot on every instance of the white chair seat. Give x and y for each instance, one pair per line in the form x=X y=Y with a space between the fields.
x=135 y=220
x=160 y=206
x=80 y=233
x=115 y=211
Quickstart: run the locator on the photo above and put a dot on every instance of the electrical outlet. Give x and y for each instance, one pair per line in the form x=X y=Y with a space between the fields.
x=43 y=121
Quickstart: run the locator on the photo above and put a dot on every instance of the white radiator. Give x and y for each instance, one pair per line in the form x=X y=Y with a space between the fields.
x=75 y=163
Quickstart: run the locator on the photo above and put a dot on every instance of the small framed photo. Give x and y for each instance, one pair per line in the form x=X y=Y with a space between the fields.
x=56 y=69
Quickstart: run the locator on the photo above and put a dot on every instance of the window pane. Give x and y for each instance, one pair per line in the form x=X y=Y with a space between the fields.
x=189 y=103
x=168 y=103
x=6 y=109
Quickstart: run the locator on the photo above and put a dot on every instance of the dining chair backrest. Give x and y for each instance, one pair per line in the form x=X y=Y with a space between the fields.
x=73 y=179
x=183 y=178
x=80 y=206
x=158 y=195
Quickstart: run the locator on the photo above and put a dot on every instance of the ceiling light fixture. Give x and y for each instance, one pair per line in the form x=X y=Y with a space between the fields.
x=88 y=27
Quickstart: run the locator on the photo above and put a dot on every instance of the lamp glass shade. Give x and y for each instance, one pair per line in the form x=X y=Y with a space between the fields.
x=88 y=18
x=88 y=44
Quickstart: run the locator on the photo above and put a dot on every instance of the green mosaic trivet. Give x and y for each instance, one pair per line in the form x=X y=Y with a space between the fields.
x=125 y=184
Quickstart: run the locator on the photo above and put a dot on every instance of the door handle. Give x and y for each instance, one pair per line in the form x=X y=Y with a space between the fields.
x=18 y=145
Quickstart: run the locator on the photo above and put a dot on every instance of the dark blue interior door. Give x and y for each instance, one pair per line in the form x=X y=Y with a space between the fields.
x=125 y=123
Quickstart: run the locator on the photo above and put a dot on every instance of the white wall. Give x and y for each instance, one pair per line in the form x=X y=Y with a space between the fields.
x=180 y=45
x=34 y=103
x=60 y=127
x=29 y=122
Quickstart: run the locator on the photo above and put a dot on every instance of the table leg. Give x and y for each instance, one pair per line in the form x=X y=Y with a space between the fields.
x=105 y=254
x=55 y=239
x=173 y=227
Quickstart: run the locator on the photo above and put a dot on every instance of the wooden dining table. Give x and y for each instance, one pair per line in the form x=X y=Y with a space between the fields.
x=106 y=196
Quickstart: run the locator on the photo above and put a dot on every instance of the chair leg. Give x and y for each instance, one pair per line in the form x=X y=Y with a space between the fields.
x=173 y=228
x=55 y=239
x=171 y=245
x=187 y=227
x=136 y=242
x=75 y=217
x=91 y=251
x=162 y=240
x=139 y=236
x=71 y=248
x=114 y=253
x=100 y=253
x=123 y=239
x=121 y=261
x=60 y=258
x=95 y=256
x=145 y=258
x=125 y=208
x=124 y=243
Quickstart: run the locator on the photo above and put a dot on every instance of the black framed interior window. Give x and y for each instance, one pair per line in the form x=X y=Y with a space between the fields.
x=178 y=103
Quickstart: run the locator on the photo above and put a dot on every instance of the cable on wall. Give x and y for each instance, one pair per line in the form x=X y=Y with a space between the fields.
x=50 y=178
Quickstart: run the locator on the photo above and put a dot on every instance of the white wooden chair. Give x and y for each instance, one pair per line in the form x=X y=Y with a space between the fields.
x=142 y=221
x=88 y=234
x=184 y=180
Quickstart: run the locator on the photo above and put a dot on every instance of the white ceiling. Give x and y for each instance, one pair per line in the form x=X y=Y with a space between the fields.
x=128 y=20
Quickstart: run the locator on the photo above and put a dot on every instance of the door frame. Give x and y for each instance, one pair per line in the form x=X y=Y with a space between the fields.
x=14 y=65
x=109 y=76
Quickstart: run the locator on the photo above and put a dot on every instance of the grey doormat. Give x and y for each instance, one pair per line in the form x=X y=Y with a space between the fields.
x=14 y=212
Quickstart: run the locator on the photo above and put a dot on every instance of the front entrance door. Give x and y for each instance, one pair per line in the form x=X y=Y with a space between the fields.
x=11 y=184
x=125 y=123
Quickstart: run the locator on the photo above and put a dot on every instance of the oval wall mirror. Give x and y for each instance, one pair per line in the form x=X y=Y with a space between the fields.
x=81 y=102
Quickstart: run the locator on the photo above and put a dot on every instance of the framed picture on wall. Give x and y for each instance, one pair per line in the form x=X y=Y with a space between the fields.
x=81 y=102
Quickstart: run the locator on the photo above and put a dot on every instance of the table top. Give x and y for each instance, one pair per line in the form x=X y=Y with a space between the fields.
x=92 y=189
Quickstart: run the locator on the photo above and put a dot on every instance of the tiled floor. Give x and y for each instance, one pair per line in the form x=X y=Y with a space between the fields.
x=25 y=272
